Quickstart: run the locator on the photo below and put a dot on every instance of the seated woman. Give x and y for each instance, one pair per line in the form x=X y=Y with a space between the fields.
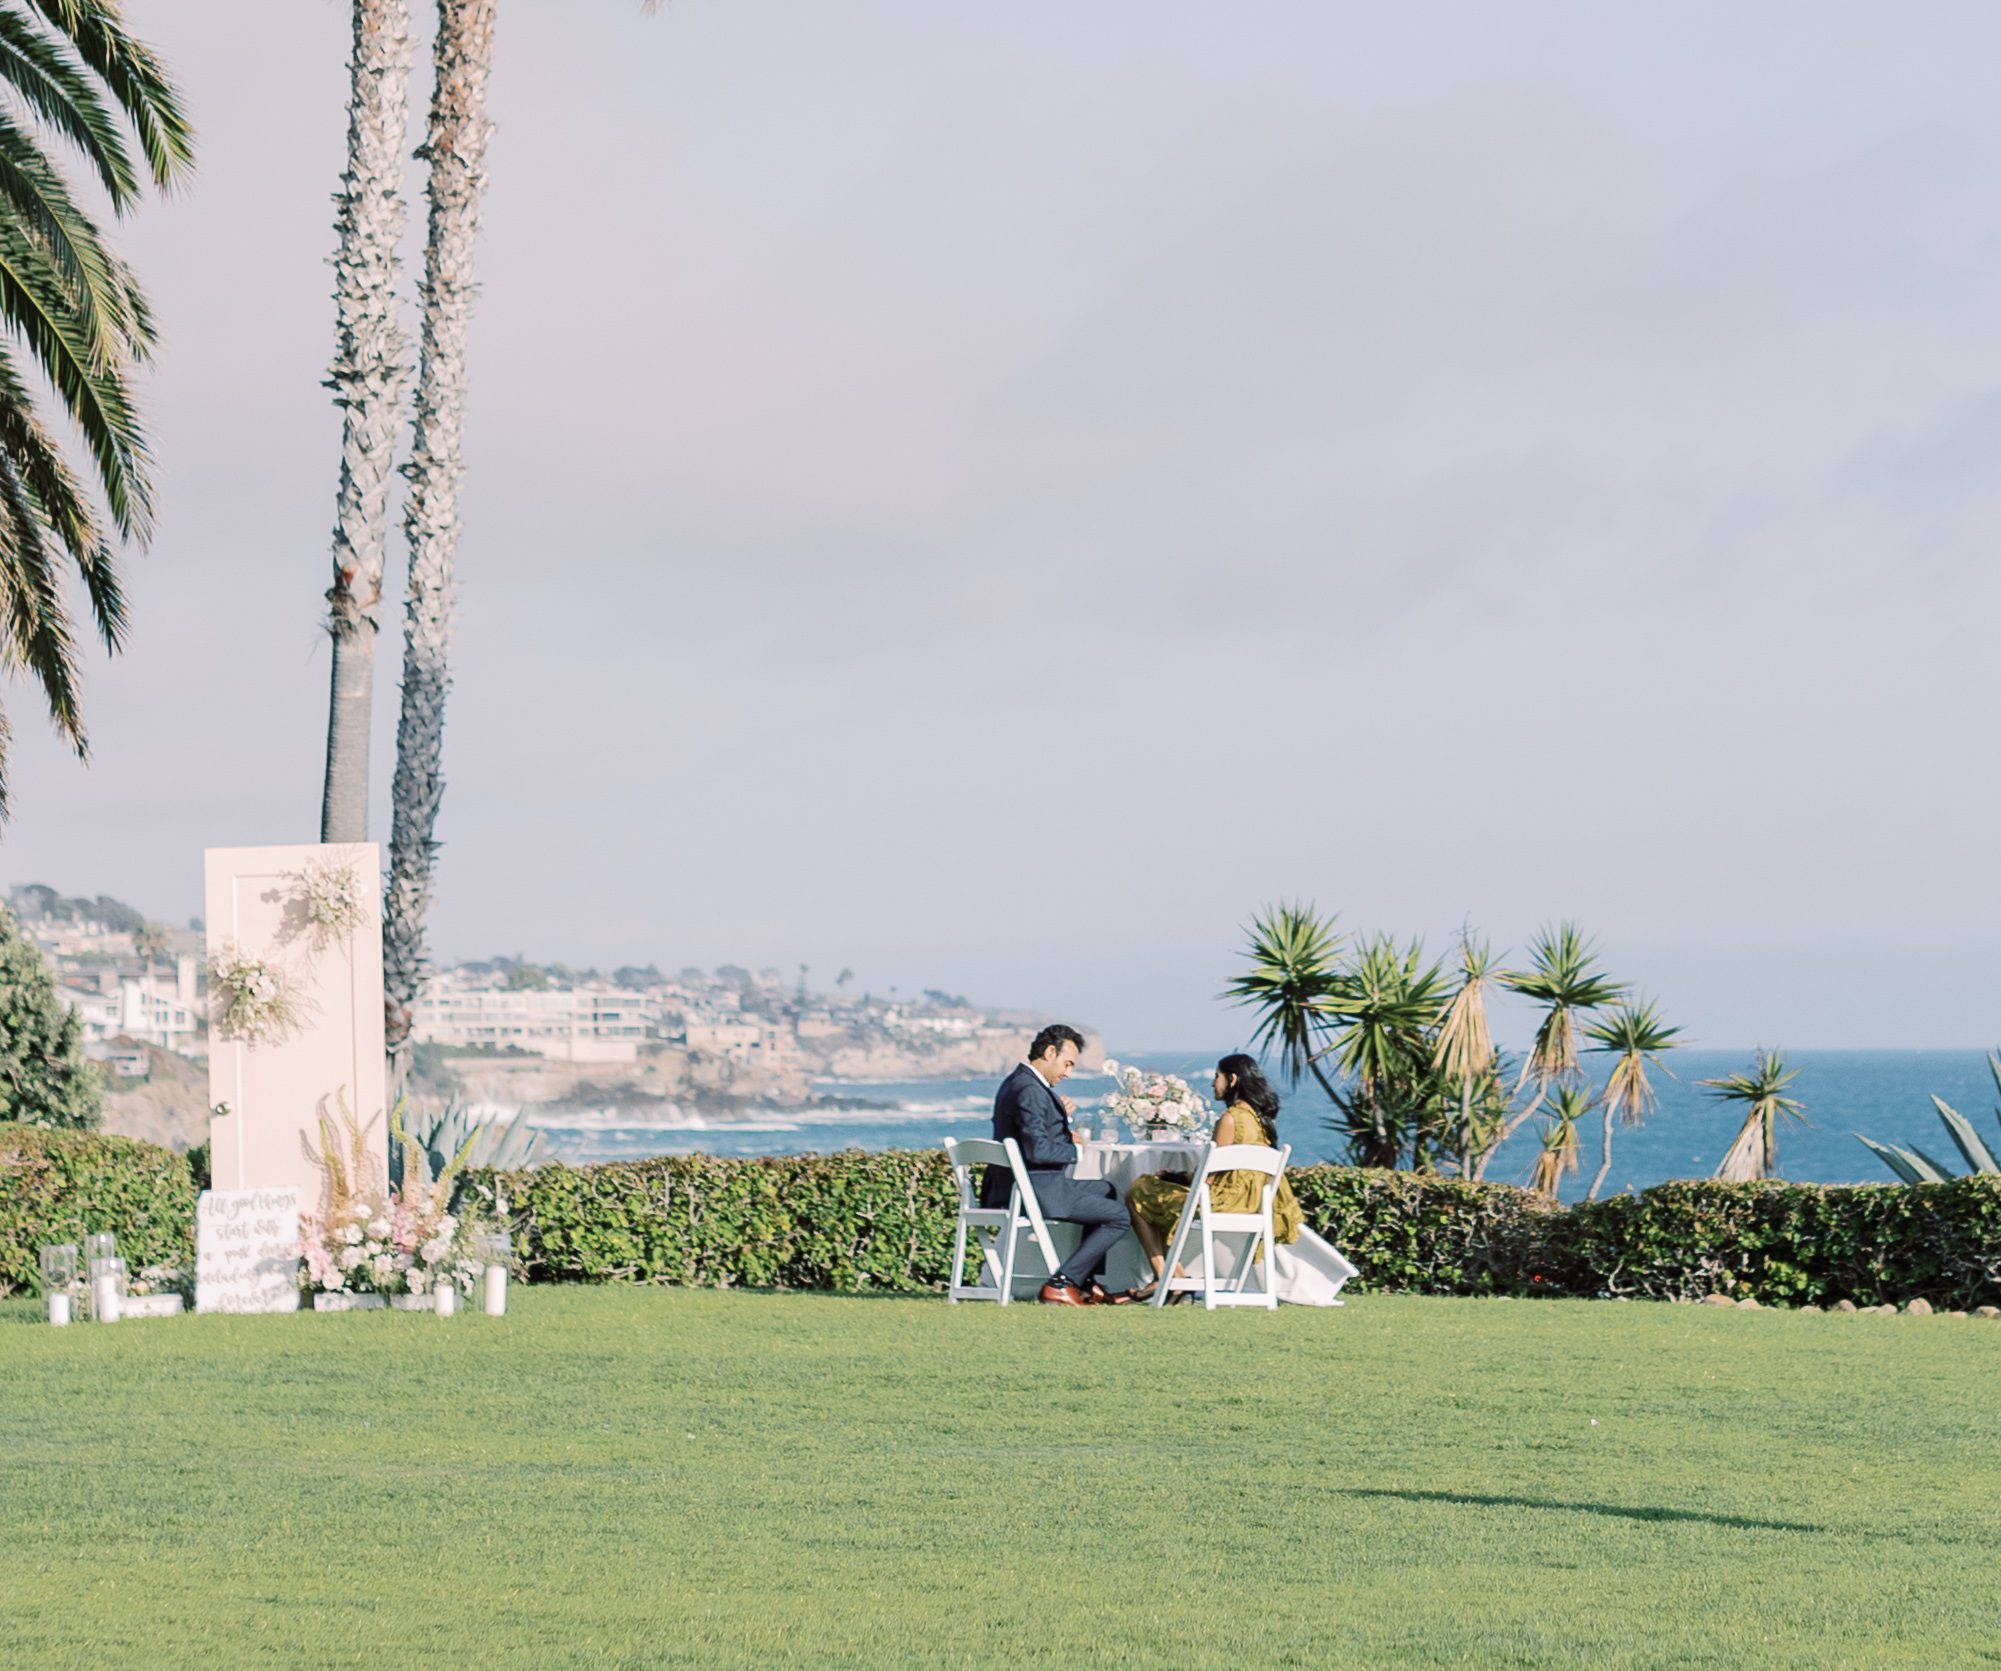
x=1250 y=1115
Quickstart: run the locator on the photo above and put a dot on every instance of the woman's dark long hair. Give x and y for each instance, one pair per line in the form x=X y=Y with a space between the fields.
x=1250 y=1085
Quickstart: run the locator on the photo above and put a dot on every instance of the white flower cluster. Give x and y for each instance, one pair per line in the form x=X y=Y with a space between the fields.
x=254 y=1000
x=1153 y=1103
x=336 y=903
x=388 y=1245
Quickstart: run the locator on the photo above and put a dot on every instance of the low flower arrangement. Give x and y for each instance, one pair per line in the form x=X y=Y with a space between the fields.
x=371 y=1238
x=1154 y=1104
x=162 y=1279
x=395 y=1242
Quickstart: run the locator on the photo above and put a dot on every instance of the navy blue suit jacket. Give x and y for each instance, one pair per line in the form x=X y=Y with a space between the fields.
x=1027 y=1110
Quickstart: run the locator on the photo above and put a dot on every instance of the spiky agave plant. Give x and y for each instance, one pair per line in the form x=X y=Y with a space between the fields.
x=1635 y=1035
x=1913 y=1166
x=441 y=1143
x=1754 y=1152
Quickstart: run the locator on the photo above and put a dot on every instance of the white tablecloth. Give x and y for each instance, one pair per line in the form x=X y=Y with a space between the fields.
x=1310 y=1271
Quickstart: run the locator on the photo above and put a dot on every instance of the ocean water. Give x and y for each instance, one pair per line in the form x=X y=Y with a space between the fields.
x=1883 y=1093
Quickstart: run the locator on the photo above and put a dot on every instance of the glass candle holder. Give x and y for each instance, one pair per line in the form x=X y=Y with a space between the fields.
x=107 y=1289
x=495 y=1248
x=58 y=1279
x=99 y=1244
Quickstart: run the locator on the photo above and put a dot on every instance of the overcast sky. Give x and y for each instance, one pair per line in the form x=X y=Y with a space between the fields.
x=992 y=495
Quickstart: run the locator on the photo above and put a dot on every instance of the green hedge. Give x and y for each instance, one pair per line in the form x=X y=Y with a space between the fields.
x=857 y=1222
x=851 y=1221
x=55 y=1186
x=884 y=1221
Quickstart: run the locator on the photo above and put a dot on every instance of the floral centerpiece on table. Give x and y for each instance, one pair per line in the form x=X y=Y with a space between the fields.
x=1154 y=1104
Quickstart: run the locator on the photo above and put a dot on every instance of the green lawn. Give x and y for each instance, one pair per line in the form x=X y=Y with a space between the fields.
x=655 y=1477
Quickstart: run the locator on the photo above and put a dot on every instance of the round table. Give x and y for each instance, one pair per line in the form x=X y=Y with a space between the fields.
x=1122 y=1164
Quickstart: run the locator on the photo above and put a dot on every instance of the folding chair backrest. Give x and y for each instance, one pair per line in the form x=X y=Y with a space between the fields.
x=965 y=1153
x=1024 y=1194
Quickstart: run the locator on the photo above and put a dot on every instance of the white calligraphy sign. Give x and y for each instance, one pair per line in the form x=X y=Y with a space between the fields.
x=246 y=1243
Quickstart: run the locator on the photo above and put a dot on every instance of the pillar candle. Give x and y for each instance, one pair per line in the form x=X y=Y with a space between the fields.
x=104 y=1299
x=59 y=1309
x=445 y=1299
x=496 y=1290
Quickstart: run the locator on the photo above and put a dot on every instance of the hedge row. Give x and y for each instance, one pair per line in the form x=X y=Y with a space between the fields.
x=55 y=1186
x=884 y=1221
x=858 y=1222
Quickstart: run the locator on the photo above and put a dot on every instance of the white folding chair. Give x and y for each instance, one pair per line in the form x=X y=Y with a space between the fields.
x=1198 y=1208
x=998 y=1229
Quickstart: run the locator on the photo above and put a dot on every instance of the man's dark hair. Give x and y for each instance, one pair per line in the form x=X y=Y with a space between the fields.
x=1052 y=1039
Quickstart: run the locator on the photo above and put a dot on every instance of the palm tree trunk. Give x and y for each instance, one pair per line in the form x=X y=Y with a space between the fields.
x=367 y=377
x=455 y=149
x=1509 y=1128
x=1605 y=1163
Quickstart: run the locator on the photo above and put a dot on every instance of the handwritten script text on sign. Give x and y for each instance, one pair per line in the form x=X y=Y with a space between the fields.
x=245 y=1242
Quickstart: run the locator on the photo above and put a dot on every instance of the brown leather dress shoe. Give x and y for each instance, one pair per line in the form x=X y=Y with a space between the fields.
x=1120 y=1296
x=1061 y=1293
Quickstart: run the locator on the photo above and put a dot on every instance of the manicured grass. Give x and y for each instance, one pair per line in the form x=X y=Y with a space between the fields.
x=651 y=1477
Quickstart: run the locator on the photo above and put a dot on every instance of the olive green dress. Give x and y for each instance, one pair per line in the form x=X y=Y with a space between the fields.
x=1159 y=1200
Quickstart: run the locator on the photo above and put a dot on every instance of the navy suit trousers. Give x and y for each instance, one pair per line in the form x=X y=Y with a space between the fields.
x=1092 y=1203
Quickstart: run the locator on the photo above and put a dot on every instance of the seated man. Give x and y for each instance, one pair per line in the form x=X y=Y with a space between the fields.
x=1028 y=1109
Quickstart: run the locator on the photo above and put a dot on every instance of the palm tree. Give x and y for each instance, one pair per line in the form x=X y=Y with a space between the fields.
x=455 y=150
x=78 y=312
x=368 y=377
x=1558 y=1159
x=1464 y=1050
x=1294 y=955
x=1386 y=1006
x=1565 y=980
x=1754 y=1152
x=1637 y=1036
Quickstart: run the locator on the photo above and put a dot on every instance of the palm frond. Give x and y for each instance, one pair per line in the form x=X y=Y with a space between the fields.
x=1294 y=957
x=50 y=82
x=135 y=78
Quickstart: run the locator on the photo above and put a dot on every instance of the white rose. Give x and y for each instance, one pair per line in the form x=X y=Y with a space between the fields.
x=351 y=1257
x=351 y=1234
x=378 y=1227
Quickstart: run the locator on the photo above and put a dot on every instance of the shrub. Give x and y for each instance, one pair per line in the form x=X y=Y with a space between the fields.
x=856 y=1222
x=57 y=1186
x=851 y=1221
x=45 y=1080
x=884 y=1221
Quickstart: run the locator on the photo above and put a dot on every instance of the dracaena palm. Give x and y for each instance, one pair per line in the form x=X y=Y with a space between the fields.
x=1754 y=1152
x=1635 y=1035
x=1463 y=1050
x=1564 y=978
x=1557 y=1158
x=1387 y=1004
x=1294 y=957
x=76 y=84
